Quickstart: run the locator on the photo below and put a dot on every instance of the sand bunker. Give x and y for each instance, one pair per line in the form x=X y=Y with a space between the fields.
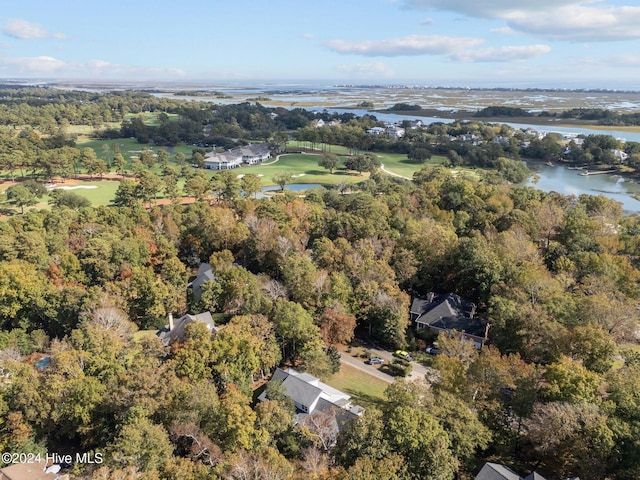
x=67 y=187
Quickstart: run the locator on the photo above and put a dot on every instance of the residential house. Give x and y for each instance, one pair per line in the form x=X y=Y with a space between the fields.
x=415 y=124
x=395 y=132
x=175 y=330
x=311 y=396
x=223 y=161
x=446 y=312
x=496 y=471
x=255 y=153
x=620 y=155
x=471 y=138
x=375 y=131
x=249 y=154
x=204 y=274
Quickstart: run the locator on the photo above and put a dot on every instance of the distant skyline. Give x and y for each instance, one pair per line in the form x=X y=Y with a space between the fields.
x=491 y=43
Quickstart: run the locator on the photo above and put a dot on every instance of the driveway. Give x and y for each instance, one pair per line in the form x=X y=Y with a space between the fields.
x=357 y=362
x=418 y=371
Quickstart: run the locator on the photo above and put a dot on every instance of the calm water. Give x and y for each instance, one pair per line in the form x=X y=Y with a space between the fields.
x=295 y=187
x=570 y=182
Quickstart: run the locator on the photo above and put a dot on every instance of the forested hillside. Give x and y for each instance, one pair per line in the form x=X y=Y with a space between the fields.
x=295 y=279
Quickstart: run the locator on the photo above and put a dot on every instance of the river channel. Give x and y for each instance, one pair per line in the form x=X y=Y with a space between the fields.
x=569 y=182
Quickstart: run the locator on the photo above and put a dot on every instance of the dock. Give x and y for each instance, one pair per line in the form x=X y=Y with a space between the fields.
x=587 y=173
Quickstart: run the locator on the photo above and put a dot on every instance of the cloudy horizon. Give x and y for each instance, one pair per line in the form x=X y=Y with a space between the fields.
x=556 y=43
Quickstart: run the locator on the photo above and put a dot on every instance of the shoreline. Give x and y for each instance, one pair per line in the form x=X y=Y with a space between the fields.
x=467 y=115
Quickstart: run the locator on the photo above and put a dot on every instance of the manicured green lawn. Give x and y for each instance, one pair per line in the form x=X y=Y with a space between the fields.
x=337 y=149
x=400 y=164
x=102 y=195
x=151 y=118
x=305 y=169
x=364 y=389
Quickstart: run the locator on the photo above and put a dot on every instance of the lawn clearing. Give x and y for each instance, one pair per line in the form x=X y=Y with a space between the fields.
x=335 y=149
x=304 y=167
x=99 y=192
x=365 y=389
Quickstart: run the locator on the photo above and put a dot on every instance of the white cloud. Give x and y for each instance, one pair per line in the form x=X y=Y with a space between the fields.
x=45 y=66
x=24 y=30
x=486 y=8
x=406 y=46
x=502 y=54
x=372 y=69
x=504 y=30
x=614 y=61
x=308 y=35
x=573 y=20
x=580 y=23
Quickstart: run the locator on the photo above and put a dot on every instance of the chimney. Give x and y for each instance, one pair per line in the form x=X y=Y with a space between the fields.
x=430 y=296
x=473 y=311
x=170 y=321
x=486 y=331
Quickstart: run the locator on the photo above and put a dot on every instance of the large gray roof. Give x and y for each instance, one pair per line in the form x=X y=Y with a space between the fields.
x=495 y=471
x=177 y=332
x=447 y=312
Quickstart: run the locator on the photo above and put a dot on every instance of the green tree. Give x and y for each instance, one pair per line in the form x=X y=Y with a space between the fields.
x=20 y=196
x=60 y=198
x=119 y=164
x=281 y=179
x=421 y=440
x=147 y=157
x=392 y=467
x=294 y=327
x=250 y=184
x=235 y=427
x=569 y=381
x=329 y=161
x=141 y=444
x=127 y=194
x=149 y=186
x=197 y=186
x=24 y=294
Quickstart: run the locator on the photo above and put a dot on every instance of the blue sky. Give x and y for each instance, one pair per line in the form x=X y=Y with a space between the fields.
x=523 y=43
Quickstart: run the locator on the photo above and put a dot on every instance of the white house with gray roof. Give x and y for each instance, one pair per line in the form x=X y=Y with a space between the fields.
x=496 y=471
x=234 y=158
x=310 y=395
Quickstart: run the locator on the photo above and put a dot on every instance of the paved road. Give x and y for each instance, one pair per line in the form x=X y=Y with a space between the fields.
x=418 y=371
x=392 y=173
x=357 y=362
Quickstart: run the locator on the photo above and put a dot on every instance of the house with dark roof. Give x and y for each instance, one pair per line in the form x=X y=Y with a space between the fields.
x=204 y=274
x=446 y=312
x=175 y=330
x=496 y=471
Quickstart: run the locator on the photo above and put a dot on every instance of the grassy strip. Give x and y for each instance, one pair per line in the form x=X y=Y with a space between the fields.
x=365 y=389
